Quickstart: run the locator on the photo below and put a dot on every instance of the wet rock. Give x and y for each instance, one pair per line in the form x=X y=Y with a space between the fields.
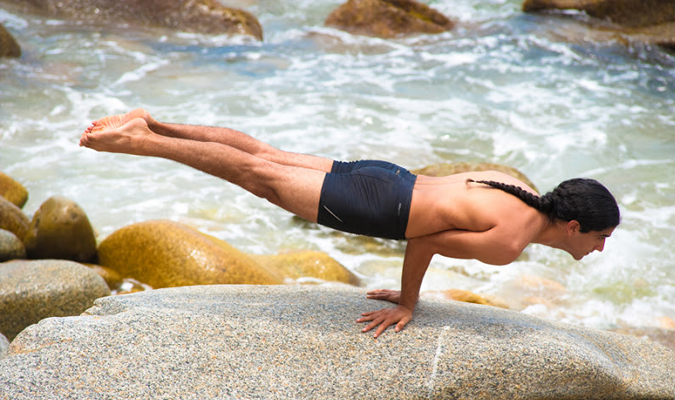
x=112 y=278
x=33 y=290
x=10 y=189
x=11 y=247
x=8 y=46
x=649 y=21
x=165 y=254
x=666 y=337
x=388 y=18
x=298 y=342
x=13 y=219
x=199 y=16
x=308 y=264
x=628 y=13
x=460 y=167
x=4 y=346
x=468 y=297
x=60 y=229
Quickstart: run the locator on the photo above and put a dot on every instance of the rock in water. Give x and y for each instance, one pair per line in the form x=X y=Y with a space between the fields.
x=388 y=18
x=8 y=45
x=298 y=342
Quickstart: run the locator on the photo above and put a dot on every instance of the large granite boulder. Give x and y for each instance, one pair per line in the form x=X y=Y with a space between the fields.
x=4 y=346
x=13 y=219
x=33 y=290
x=297 y=342
x=650 y=21
x=165 y=254
x=308 y=267
x=10 y=189
x=11 y=247
x=60 y=229
x=461 y=167
x=8 y=45
x=388 y=18
x=200 y=16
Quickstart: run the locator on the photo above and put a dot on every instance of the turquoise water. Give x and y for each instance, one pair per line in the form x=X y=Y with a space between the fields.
x=502 y=87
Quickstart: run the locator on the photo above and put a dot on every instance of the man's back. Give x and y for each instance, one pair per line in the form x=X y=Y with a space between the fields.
x=450 y=203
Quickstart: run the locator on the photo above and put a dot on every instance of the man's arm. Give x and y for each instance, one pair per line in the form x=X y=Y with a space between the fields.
x=418 y=254
x=497 y=246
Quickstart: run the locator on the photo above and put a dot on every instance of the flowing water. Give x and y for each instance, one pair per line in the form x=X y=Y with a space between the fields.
x=502 y=87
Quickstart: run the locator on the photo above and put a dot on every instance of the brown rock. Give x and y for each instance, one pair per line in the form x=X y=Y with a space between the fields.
x=199 y=16
x=470 y=297
x=628 y=13
x=33 y=290
x=60 y=229
x=112 y=278
x=165 y=254
x=665 y=337
x=647 y=21
x=308 y=264
x=388 y=18
x=12 y=218
x=10 y=189
x=458 y=168
x=8 y=45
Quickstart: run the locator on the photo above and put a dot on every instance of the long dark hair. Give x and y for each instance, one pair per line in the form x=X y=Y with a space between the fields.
x=584 y=200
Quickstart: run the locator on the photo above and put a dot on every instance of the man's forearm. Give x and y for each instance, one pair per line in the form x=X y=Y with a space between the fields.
x=415 y=263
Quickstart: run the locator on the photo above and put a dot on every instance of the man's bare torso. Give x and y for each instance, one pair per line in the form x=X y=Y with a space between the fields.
x=449 y=203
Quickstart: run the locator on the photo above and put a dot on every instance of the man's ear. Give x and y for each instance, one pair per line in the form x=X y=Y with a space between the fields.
x=573 y=227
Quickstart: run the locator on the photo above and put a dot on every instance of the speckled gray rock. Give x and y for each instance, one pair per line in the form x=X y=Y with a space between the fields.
x=298 y=342
x=11 y=246
x=33 y=290
x=4 y=346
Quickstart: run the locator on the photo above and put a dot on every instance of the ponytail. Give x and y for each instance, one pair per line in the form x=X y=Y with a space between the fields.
x=584 y=200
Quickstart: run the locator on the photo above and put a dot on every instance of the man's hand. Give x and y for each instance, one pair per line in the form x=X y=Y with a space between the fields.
x=385 y=294
x=399 y=315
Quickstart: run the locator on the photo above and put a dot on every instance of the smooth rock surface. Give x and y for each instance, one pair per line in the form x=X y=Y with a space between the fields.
x=388 y=18
x=33 y=290
x=307 y=266
x=10 y=189
x=628 y=13
x=200 y=16
x=60 y=229
x=301 y=342
x=166 y=254
x=8 y=45
x=461 y=167
x=11 y=247
x=13 y=219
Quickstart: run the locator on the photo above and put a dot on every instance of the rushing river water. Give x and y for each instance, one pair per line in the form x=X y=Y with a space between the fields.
x=502 y=87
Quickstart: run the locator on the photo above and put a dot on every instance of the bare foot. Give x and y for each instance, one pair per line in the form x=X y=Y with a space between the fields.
x=116 y=121
x=127 y=138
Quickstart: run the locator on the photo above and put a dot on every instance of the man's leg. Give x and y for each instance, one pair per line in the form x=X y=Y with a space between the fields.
x=229 y=137
x=292 y=188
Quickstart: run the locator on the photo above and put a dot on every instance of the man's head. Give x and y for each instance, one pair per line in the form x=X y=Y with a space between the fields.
x=583 y=200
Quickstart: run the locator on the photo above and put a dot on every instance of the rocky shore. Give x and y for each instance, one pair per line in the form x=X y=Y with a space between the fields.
x=295 y=342
x=273 y=341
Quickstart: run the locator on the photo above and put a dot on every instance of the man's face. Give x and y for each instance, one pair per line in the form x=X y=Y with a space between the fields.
x=582 y=244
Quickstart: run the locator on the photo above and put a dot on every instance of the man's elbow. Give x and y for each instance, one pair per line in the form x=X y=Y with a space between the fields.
x=505 y=255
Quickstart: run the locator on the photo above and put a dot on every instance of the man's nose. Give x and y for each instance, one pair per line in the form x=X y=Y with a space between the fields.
x=601 y=246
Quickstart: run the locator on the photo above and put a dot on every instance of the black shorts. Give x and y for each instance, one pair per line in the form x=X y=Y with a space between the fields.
x=367 y=197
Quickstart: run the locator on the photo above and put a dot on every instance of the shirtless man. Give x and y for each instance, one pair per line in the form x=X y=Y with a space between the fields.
x=488 y=216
